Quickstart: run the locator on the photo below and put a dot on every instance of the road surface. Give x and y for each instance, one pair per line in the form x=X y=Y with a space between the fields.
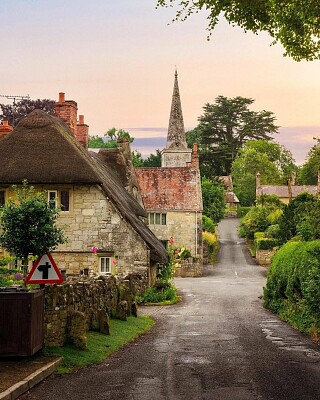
x=219 y=343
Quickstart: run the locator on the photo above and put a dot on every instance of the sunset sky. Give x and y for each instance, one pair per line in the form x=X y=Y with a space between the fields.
x=117 y=60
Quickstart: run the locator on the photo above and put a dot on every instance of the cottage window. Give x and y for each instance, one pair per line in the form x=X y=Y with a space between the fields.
x=157 y=219
x=104 y=265
x=53 y=198
x=2 y=197
x=65 y=200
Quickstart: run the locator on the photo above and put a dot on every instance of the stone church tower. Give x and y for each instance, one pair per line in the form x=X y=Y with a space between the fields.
x=176 y=153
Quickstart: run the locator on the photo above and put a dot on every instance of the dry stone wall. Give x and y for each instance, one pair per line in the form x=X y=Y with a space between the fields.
x=91 y=296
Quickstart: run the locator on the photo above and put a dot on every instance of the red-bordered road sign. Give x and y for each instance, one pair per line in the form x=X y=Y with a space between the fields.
x=44 y=270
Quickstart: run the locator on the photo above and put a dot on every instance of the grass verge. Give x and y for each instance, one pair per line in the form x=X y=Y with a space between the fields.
x=100 y=346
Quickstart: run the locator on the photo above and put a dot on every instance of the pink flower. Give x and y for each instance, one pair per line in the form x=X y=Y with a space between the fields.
x=114 y=262
x=171 y=240
x=94 y=249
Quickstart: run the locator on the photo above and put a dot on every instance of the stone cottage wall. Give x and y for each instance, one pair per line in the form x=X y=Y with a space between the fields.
x=89 y=296
x=94 y=221
x=182 y=226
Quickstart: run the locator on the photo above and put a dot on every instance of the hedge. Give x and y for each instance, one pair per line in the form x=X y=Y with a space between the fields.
x=293 y=285
x=265 y=243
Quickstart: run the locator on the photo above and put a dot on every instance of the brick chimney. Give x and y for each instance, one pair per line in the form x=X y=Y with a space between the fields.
x=5 y=128
x=195 y=157
x=82 y=132
x=67 y=111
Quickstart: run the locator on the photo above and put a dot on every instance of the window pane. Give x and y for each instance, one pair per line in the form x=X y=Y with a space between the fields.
x=64 y=200
x=158 y=219
x=151 y=218
x=52 y=198
x=164 y=219
x=2 y=197
x=104 y=263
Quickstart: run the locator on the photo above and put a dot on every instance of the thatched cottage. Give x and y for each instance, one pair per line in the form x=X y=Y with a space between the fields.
x=101 y=207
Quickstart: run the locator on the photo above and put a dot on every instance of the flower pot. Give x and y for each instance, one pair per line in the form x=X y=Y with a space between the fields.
x=21 y=322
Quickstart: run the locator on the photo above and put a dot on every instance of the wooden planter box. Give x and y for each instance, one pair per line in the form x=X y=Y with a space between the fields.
x=21 y=323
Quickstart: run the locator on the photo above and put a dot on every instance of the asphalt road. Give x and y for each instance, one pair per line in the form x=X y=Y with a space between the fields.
x=218 y=343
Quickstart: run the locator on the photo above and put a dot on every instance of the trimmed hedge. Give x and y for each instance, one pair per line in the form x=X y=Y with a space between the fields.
x=293 y=285
x=265 y=243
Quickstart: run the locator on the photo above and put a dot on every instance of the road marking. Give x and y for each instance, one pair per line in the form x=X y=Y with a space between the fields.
x=236 y=273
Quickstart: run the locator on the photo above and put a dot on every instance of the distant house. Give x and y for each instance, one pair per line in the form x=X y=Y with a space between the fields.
x=172 y=193
x=285 y=192
x=98 y=194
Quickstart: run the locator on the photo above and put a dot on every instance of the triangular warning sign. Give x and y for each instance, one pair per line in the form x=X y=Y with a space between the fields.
x=44 y=270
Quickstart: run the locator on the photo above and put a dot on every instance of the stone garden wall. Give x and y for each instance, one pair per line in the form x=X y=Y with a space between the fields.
x=264 y=257
x=190 y=268
x=91 y=300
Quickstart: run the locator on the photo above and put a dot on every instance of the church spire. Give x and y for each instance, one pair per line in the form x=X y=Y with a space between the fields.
x=176 y=137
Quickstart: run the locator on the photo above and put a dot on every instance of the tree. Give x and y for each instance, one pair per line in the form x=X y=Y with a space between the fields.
x=293 y=23
x=308 y=173
x=244 y=170
x=154 y=160
x=223 y=129
x=13 y=113
x=137 y=159
x=214 y=203
x=28 y=225
x=112 y=136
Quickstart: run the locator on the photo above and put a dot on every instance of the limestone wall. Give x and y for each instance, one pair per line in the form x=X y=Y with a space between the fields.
x=264 y=257
x=185 y=228
x=89 y=296
x=94 y=222
x=190 y=268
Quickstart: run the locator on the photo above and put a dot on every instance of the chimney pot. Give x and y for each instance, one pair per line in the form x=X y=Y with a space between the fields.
x=81 y=119
x=61 y=97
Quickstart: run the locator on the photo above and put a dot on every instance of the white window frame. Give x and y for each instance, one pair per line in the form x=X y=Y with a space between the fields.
x=105 y=258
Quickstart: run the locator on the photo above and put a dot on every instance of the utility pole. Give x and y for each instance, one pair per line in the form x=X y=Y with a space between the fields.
x=14 y=98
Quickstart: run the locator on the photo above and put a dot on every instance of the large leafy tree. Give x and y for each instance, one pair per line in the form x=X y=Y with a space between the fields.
x=154 y=160
x=308 y=174
x=28 y=225
x=293 y=23
x=223 y=129
x=244 y=169
x=14 y=112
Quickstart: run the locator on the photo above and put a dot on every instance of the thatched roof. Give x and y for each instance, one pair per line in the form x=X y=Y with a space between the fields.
x=129 y=208
x=42 y=149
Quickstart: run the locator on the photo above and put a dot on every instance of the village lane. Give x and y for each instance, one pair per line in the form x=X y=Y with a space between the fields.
x=218 y=343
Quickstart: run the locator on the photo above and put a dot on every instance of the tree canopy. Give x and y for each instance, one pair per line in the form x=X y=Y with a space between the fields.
x=13 y=113
x=293 y=23
x=112 y=136
x=223 y=129
x=271 y=160
x=214 y=203
x=308 y=173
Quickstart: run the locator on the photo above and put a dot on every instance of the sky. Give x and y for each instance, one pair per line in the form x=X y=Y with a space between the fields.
x=117 y=59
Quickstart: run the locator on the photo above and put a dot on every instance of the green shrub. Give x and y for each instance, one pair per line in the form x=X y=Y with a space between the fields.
x=159 y=294
x=213 y=246
x=273 y=231
x=242 y=211
x=259 y=235
x=208 y=225
x=293 y=285
x=266 y=243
